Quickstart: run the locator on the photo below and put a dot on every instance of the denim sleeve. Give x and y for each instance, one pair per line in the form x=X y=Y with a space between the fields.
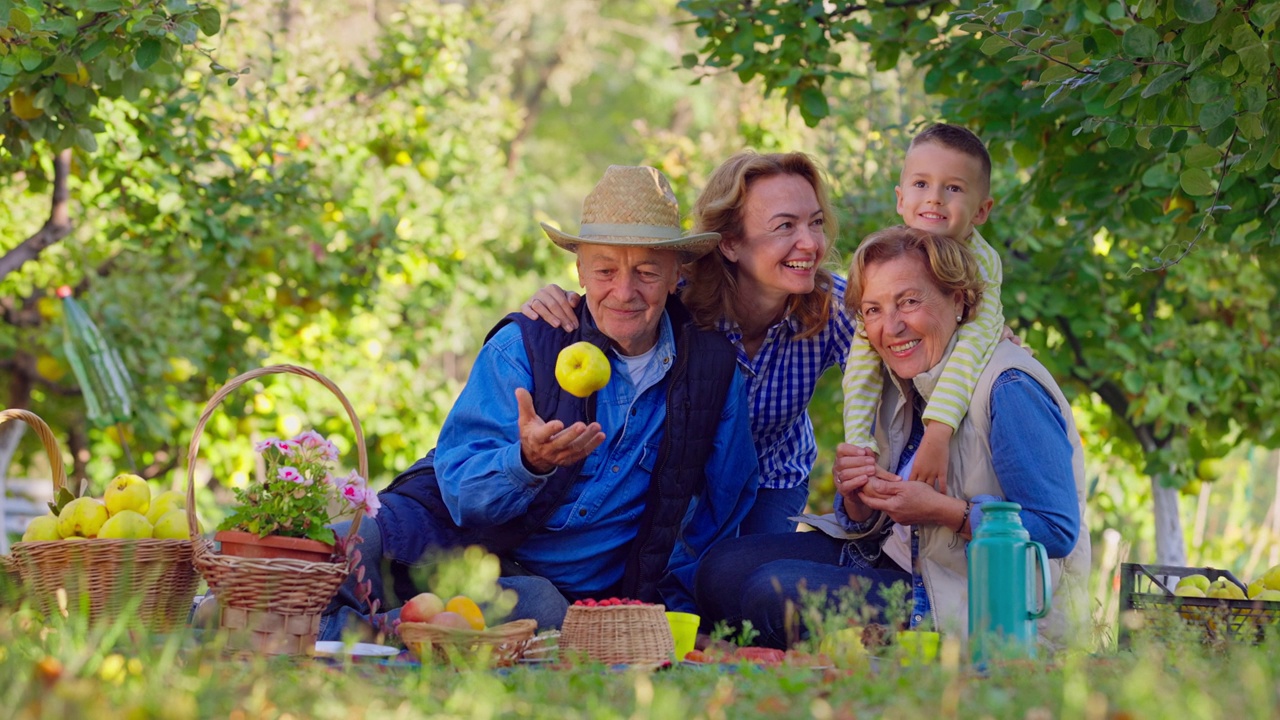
x=482 y=478
x=733 y=474
x=868 y=547
x=1031 y=455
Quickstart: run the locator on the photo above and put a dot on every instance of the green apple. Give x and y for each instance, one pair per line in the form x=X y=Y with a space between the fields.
x=582 y=369
x=125 y=525
x=1197 y=581
x=1188 y=591
x=1223 y=588
x=128 y=492
x=1271 y=578
x=1269 y=596
x=82 y=517
x=42 y=528
x=1254 y=589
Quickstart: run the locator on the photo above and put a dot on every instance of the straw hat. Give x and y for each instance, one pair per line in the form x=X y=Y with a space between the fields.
x=634 y=206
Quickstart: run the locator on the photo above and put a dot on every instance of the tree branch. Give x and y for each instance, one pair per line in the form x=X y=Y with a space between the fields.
x=55 y=228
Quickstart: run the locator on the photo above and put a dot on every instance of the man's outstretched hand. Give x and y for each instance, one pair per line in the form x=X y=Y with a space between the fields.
x=545 y=446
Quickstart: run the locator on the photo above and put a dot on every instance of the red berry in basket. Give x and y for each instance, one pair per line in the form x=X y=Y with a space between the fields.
x=589 y=602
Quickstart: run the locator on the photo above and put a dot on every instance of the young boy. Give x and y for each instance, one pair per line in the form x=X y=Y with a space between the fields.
x=945 y=189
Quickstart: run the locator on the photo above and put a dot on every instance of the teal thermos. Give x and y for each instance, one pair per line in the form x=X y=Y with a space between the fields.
x=1003 y=607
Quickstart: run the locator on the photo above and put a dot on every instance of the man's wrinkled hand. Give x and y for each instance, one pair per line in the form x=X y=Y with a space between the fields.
x=545 y=446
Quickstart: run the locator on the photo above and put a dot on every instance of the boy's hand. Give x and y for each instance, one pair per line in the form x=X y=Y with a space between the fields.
x=930 y=465
x=1007 y=334
x=554 y=305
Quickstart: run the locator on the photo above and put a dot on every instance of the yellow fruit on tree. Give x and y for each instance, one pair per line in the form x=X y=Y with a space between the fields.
x=42 y=528
x=79 y=77
x=172 y=526
x=165 y=502
x=467 y=608
x=82 y=517
x=125 y=525
x=23 y=107
x=128 y=492
x=50 y=368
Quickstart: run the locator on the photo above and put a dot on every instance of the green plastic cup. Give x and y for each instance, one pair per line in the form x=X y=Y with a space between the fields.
x=684 y=631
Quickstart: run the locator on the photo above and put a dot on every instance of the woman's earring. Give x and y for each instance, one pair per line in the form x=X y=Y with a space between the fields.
x=959 y=318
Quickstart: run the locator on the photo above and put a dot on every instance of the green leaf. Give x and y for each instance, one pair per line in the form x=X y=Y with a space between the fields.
x=1201 y=156
x=1264 y=15
x=813 y=105
x=29 y=57
x=1206 y=86
x=1195 y=11
x=85 y=140
x=1119 y=137
x=1056 y=73
x=1195 y=181
x=1252 y=51
x=1115 y=71
x=103 y=5
x=1107 y=41
x=148 y=53
x=994 y=44
x=1162 y=83
x=1140 y=41
x=19 y=21
x=1215 y=113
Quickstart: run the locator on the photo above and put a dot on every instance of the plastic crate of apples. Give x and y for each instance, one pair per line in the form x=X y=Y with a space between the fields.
x=1205 y=597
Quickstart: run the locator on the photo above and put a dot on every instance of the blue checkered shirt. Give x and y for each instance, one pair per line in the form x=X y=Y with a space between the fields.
x=780 y=382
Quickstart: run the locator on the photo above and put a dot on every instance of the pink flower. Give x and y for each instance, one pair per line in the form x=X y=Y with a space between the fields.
x=371 y=504
x=265 y=445
x=289 y=474
x=310 y=439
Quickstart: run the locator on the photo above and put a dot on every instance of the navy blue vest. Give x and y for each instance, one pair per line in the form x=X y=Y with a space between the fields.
x=697 y=390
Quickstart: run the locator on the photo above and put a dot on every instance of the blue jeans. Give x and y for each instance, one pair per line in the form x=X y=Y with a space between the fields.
x=753 y=577
x=537 y=598
x=773 y=509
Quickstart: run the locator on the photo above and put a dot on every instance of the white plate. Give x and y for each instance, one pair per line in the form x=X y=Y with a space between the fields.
x=334 y=647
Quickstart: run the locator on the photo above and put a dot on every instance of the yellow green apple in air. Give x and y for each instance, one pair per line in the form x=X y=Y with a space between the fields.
x=582 y=369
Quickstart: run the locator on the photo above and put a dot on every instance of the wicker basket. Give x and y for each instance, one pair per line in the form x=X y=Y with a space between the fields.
x=151 y=579
x=270 y=606
x=506 y=642
x=619 y=634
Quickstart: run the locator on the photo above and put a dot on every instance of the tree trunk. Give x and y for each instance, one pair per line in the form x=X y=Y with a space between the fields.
x=1171 y=548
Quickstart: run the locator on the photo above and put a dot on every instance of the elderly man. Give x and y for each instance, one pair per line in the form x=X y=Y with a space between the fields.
x=616 y=495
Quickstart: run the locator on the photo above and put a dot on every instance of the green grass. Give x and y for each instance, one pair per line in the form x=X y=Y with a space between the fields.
x=123 y=672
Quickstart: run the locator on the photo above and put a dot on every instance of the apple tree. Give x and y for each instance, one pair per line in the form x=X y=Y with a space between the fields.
x=1136 y=147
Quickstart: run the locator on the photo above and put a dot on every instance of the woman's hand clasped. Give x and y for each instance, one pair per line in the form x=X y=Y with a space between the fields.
x=906 y=503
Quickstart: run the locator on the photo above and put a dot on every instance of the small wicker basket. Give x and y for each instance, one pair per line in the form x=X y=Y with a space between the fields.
x=618 y=634
x=507 y=642
x=106 y=577
x=270 y=606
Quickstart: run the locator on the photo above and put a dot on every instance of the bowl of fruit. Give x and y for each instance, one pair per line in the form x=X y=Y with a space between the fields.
x=455 y=632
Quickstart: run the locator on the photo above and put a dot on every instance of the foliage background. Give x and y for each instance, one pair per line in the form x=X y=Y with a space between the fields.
x=364 y=200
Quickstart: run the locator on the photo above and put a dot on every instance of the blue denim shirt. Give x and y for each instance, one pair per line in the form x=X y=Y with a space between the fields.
x=1031 y=456
x=583 y=547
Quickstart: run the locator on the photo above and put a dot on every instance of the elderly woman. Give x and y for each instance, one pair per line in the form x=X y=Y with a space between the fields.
x=1017 y=443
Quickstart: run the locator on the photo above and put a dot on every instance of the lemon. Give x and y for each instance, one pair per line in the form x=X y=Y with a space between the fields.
x=467 y=608
x=125 y=525
x=165 y=502
x=128 y=492
x=44 y=527
x=172 y=526
x=82 y=517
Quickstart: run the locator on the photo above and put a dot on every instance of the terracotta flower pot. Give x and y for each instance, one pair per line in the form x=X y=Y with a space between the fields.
x=248 y=545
